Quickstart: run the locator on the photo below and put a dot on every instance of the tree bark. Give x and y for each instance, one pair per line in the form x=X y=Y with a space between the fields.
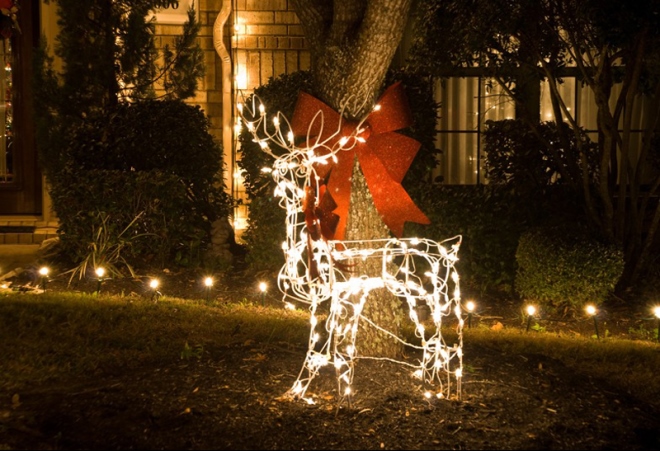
x=352 y=45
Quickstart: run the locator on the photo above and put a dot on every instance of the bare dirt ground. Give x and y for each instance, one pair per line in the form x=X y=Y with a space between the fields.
x=231 y=398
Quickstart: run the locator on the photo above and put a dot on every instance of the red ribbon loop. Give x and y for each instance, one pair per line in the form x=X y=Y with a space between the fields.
x=383 y=155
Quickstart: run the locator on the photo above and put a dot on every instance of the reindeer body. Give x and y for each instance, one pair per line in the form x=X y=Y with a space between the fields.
x=418 y=271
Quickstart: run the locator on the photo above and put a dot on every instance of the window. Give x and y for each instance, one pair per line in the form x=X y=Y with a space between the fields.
x=6 y=113
x=466 y=103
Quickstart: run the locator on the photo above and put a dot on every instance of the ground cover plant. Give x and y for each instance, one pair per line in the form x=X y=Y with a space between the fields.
x=193 y=369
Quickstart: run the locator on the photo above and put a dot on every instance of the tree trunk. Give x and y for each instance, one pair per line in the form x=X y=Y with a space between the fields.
x=352 y=45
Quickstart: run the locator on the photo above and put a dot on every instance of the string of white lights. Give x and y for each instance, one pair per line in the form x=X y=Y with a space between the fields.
x=419 y=271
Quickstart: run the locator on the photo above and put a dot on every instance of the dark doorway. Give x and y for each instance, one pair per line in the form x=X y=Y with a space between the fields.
x=20 y=177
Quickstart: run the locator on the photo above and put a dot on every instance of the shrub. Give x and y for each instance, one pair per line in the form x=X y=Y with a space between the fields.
x=518 y=158
x=153 y=159
x=490 y=220
x=565 y=267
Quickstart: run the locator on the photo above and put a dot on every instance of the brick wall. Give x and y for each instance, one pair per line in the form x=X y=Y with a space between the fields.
x=267 y=41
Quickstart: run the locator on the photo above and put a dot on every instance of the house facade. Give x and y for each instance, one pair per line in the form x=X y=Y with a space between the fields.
x=245 y=42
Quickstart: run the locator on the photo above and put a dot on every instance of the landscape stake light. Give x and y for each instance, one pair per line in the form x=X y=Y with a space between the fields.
x=154 y=283
x=263 y=287
x=469 y=306
x=44 y=276
x=656 y=312
x=591 y=311
x=100 y=272
x=208 y=282
x=531 y=310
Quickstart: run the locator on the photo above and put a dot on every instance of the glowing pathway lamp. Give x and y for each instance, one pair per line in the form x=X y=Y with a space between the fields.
x=263 y=287
x=591 y=311
x=153 y=284
x=531 y=311
x=470 y=308
x=43 y=271
x=100 y=272
x=656 y=312
x=208 y=282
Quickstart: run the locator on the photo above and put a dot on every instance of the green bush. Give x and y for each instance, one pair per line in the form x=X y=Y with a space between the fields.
x=490 y=220
x=565 y=267
x=518 y=158
x=153 y=159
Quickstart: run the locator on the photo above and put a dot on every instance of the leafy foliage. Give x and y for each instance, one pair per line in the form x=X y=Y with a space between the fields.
x=109 y=57
x=106 y=250
x=265 y=232
x=565 y=267
x=517 y=157
x=154 y=159
x=602 y=43
x=490 y=220
x=120 y=163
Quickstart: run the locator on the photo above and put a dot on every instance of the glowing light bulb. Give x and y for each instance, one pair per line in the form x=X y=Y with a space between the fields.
x=154 y=283
x=470 y=306
x=208 y=281
x=43 y=271
x=590 y=309
x=531 y=310
x=100 y=271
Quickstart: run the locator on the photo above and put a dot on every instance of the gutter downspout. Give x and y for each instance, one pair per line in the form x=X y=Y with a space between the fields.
x=227 y=102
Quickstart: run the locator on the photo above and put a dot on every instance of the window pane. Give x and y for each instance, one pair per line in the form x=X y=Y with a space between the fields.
x=465 y=106
x=566 y=92
x=6 y=114
x=495 y=105
x=459 y=158
x=459 y=109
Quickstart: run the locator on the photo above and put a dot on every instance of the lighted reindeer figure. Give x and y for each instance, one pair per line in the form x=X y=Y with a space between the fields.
x=319 y=270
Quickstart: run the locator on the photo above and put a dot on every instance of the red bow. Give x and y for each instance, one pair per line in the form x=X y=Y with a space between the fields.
x=383 y=154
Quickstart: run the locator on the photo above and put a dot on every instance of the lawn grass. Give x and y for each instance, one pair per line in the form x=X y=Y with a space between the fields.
x=46 y=337
x=56 y=336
